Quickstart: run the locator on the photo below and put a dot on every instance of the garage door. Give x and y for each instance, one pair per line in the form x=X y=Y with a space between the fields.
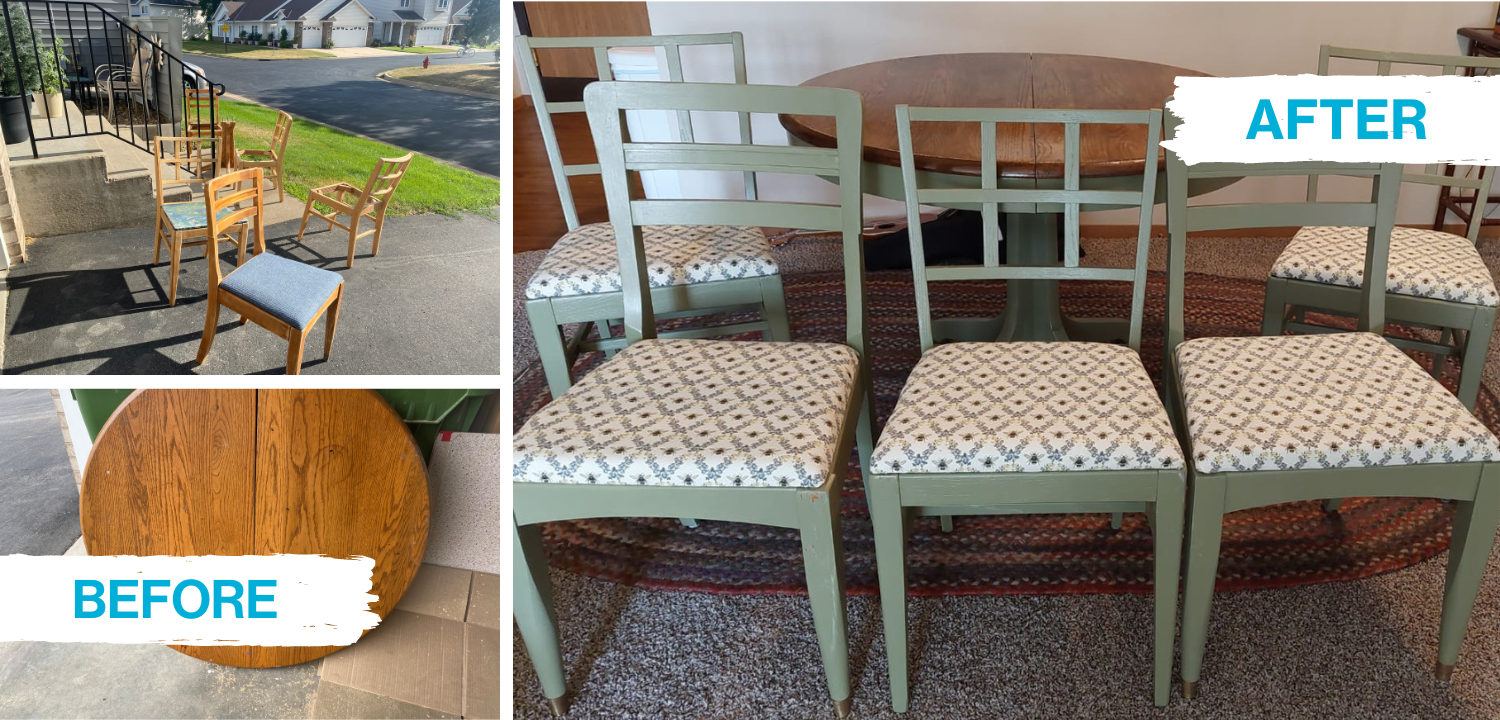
x=348 y=36
x=430 y=36
x=312 y=36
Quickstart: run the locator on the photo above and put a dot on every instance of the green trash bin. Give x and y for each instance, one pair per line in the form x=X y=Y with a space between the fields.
x=426 y=412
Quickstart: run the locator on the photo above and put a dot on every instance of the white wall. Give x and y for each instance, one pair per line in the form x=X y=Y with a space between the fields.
x=790 y=42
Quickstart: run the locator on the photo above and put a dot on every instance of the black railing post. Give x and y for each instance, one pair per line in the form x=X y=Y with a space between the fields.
x=41 y=80
x=62 y=77
x=90 y=70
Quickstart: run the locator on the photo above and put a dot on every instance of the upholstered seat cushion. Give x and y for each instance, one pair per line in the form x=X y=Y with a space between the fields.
x=696 y=412
x=1320 y=401
x=192 y=215
x=1027 y=407
x=585 y=261
x=286 y=289
x=1423 y=263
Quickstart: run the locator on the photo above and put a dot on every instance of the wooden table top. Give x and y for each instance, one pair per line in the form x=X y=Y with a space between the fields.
x=1483 y=35
x=257 y=472
x=999 y=80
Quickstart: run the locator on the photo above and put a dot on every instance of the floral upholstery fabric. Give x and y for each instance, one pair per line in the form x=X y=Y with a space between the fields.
x=586 y=262
x=696 y=412
x=193 y=215
x=1027 y=407
x=1319 y=401
x=1423 y=263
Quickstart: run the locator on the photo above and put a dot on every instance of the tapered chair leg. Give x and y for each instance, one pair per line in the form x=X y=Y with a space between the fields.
x=1474 y=523
x=331 y=322
x=1476 y=349
x=888 y=518
x=379 y=228
x=175 y=250
x=280 y=185
x=773 y=308
x=353 y=238
x=1167 y=529
x=535 y=616
x=295 y=341
x=823 y=556
x=306 y=213
x=1116 y=520
x=210 y=324
x=1205 y=529
x=550 y=346
x=156 y=246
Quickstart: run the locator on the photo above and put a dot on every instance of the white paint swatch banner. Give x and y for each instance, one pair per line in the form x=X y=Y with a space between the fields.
x=267 y=600
x=1413 y=119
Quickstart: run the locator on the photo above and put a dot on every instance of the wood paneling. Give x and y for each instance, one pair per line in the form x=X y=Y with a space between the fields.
x=536 y=212
x=581 y=19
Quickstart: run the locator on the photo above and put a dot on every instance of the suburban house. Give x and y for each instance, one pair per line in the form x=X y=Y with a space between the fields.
x=193 y=25
x=418 y=22
x=346 y=23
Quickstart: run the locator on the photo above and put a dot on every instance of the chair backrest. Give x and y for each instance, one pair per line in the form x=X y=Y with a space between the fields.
x=226 y=191
x=606 y=102
x=281 y=134
x=526 y=48
x=1378 y=214
x=384 y=180
x=183 y=161
x=225 y=131
x=1435 y=174
x=200 y=111
x=989 y=196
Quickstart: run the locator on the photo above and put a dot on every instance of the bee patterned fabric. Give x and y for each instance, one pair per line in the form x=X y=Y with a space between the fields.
x=586 y=262
x=1027 y=407
x=696 y=412
x=1320 y=401
x=1423 y=263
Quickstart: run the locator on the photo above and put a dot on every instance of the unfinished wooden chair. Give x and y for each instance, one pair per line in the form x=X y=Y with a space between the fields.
x=280 y=295
x=270 y=158
x=200 y=112
x=372 y=201
x=186 y=162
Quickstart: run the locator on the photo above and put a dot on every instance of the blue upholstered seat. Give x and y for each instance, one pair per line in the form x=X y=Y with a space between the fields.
x=286 y=289
x=191 y=215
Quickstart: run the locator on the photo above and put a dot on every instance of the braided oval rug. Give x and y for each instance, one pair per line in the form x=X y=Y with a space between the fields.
x=1278 y=546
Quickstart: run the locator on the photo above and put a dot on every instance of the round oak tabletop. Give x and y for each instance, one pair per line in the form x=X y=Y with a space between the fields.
x=258 y=472
x=999 y=80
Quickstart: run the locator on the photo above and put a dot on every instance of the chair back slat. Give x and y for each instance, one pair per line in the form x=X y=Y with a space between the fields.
x=182 y=161
x=225 y=192
x=281 y=134
x=607 y=100
x=989 y=196
x=1378 y=214
x=384 y=180
x=526 y=50
x=1441 y=174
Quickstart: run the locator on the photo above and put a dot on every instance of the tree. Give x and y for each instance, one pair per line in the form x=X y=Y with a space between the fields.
x=209 y=7
x=483 y=25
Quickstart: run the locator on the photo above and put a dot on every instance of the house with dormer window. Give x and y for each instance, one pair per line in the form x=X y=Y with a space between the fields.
x=418 y=22
x=342 y=23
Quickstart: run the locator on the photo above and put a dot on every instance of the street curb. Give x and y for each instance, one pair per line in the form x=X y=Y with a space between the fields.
x=436 y=88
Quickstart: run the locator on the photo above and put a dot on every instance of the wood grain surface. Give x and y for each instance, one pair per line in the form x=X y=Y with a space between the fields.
x=237 y=472
x=999 y=80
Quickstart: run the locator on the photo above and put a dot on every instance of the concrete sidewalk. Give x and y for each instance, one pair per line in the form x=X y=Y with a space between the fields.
x=38 y=496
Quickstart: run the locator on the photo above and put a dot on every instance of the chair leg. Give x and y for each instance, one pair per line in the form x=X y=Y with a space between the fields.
x=550 y=346
x=353 y=237
x=1331 y=505
x=1167 y=532
x=1206 y=526
x=823 y=557
x=244 y=241
x=280 y=184
x=945 y=522
x=331 y=322
x=174 y=249
x=535 y=615
x=887 y=516
x=156 y=245
x=1476 y=349
x=773 y=308
x=379 y=228
x=1273 y=317
x=306 y=213
x=210 y=324
x=1474 y=525
x=1116 y=520
x=1439 y=360
x=294 y=352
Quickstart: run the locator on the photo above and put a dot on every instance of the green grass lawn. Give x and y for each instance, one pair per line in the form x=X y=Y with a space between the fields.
x=249 y=52
x=318 y=155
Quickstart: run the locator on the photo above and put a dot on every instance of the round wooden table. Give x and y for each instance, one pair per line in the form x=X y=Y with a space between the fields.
x=948 y=154
x=257 y=472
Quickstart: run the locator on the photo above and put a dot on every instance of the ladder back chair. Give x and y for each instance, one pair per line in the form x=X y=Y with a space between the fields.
x=200 y=112
x=1435 y=279
x=270 y=158
x=756 y=432
x=280 y=295
x=372 y=201
x=1268 y=420
x=695 y=270
x=984 y=428
x=187 y=162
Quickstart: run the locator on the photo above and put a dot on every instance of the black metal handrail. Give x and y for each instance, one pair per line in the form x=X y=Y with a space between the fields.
x=83 y=80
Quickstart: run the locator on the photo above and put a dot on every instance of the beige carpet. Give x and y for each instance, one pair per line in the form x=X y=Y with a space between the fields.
x=1360 y=649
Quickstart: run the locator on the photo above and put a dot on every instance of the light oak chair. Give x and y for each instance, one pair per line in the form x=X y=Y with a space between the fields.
x=756 y=432
x=187 y=162
x=270 y=158
x=371 y=201
x=280 y=295
x=695 y=270
x=200 y=112
x=1270 y=420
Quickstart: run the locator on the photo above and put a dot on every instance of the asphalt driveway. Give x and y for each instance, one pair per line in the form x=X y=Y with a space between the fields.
x=345 y=93
x=38 y=498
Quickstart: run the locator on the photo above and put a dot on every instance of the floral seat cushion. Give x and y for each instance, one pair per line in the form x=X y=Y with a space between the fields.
x=1027 y=407
x=1320 y=401
x=1423 y=263
x=192 y=215
x=696 y=413
x=585 y=261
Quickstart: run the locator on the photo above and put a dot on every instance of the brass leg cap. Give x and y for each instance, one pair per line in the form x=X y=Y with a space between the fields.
x=1444 y=673
x=559 y=705
x=1189 y=689
x=841 y=708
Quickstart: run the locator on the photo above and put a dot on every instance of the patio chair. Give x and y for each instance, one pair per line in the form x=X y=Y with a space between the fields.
x=280 y=295
x=112 y=79
x=272 y=155
x=372 y=201
x=182 y=161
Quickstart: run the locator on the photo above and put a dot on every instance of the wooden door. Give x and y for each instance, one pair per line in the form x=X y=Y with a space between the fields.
x=580 y=19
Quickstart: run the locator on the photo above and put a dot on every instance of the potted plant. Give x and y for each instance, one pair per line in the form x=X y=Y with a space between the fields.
x=48 y=96
x=18 y=75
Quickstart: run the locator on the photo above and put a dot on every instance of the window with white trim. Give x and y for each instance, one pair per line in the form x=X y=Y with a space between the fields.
x=405 y=3
x=442 y=4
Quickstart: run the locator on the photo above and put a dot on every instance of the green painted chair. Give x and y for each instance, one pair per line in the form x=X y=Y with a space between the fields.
x=1278 y=419
x=985 y=428
x=1434 y=279
x=694 y=270
x=756 y=432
